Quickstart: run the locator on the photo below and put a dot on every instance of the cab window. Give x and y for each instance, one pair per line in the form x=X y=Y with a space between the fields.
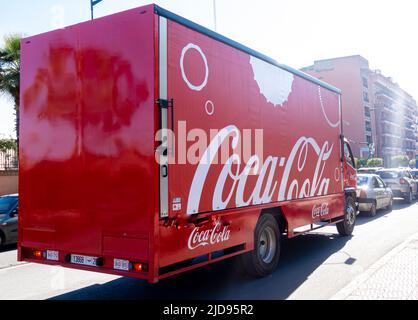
x=348 y=155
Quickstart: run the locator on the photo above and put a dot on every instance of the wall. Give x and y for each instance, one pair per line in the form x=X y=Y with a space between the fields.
x=8 y=182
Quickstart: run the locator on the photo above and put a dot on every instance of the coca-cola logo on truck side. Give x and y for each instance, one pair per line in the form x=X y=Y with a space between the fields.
x=200 y=237
x=267 y=188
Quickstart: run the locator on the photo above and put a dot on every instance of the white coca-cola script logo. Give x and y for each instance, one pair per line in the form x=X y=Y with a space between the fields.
x=266 y=189
x=200 y=238
x=319 y=211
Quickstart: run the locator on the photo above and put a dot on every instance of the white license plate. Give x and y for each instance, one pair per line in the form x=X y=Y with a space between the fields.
x=119 y=264
x=52 y=255
x=84 y=260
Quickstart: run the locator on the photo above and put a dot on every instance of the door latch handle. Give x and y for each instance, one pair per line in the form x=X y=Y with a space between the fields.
x=164 y=171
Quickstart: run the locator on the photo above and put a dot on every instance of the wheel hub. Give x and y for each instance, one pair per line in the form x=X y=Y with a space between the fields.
x=267 y=245
x=351 y=215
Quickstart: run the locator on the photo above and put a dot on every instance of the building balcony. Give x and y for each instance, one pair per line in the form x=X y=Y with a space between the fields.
x=391 y=135
x=391 y=148
x=391 y=122
x=386 y=108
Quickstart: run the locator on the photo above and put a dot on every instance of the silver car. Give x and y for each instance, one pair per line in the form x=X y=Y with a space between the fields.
x=373 y=194
x=401 y=182
x=369 y=170
x=8 y=219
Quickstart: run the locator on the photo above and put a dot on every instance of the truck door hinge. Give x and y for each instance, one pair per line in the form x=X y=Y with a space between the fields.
x=165 y=104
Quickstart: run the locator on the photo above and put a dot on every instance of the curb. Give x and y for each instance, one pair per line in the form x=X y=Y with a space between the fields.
x=353 y=285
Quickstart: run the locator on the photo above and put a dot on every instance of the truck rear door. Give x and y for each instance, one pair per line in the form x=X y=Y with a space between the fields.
x=87 y=145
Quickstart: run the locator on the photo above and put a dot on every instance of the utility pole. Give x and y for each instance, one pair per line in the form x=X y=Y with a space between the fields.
x=214 y=14
x=92 y=4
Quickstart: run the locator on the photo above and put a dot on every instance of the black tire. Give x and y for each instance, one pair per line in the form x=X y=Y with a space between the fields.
x=373 y=210
x=390 y=206
x=409 y=197
x=261 y=261
x=346 y=227
x=2 y=239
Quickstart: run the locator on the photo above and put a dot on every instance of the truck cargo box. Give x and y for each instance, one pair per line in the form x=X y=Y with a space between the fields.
x=149 y=142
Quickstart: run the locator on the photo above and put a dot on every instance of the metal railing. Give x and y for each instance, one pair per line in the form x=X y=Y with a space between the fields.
x=9 y=160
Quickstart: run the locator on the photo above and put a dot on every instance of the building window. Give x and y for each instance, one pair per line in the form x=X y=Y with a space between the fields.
x=368 y=126
x=365 y=82
x=366 y=96
x=369 y=140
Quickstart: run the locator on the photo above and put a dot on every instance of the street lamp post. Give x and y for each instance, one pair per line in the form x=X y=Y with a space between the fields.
x=214 y=14
x=92 y=4
x=372 y=150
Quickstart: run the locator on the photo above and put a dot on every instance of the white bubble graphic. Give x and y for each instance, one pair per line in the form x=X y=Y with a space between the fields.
x=275 y=84
x=183 y=73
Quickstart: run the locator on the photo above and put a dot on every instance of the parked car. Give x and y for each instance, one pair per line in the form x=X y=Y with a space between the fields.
x=373 y=194
x=414 y=174
x=369 y=170
x=401 y=182
x=8 y=219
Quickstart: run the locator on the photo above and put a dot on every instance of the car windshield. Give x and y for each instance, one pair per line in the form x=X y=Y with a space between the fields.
x=6 y=204
x=389 y=174
x=362 y=181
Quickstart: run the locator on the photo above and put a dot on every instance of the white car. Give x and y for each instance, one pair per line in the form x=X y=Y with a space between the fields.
x=373 y=194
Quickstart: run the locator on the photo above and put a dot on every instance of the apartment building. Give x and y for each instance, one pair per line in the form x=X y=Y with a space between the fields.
x=380 y=118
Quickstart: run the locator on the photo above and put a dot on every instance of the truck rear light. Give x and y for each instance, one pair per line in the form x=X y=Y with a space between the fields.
x=37 y=253
x=140 y=267
x=403 y=181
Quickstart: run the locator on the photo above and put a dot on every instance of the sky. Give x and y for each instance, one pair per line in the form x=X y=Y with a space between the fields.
x=293 y=32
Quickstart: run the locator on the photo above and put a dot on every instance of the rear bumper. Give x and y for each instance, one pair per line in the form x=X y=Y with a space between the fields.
x=399 y=193
x=365 y=204
x=25 y=254
x=141 y=276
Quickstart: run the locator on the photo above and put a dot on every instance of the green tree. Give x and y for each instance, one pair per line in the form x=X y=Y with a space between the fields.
x=362 y=162
x=400 y=161
x=375 y=162
x=10 y=72
x=7 y=144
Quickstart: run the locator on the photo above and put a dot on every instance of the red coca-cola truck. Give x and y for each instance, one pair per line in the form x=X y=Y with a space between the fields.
x=151 y=145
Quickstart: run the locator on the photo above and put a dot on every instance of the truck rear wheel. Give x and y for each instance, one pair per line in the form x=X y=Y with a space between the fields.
x=263 y=260
x=346 y=227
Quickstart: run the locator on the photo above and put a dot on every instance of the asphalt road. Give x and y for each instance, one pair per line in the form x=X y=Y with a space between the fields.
x=314 y=266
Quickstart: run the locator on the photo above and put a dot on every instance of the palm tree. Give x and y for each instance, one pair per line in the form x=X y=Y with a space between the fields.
x=10 y=72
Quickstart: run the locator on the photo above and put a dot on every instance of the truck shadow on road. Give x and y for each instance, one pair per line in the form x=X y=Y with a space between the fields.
x=300 y=257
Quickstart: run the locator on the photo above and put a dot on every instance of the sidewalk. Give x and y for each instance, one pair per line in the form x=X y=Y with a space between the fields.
x=393 y=277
